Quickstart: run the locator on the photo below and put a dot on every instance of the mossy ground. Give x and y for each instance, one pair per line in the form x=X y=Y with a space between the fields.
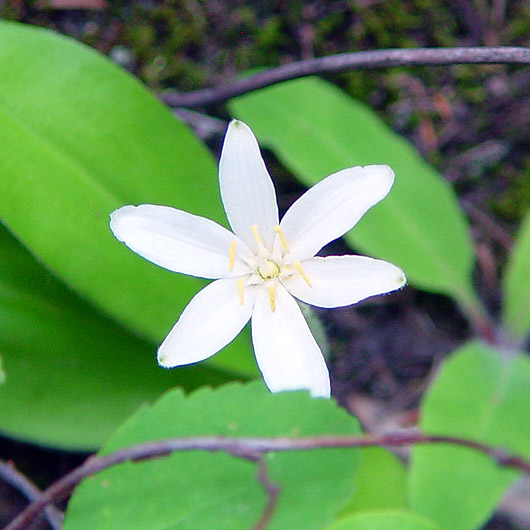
x=472 y=122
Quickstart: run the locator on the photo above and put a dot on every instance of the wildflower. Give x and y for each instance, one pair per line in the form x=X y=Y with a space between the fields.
x=264 y=264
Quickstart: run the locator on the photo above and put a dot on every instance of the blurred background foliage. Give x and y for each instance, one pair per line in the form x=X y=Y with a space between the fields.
x=188 y=44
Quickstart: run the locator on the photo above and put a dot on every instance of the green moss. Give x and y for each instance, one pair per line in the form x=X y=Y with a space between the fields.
x=514 y=203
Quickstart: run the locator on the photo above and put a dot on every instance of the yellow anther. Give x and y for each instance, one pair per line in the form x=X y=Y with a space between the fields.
x=256 y=235
x=240 y=292
x=272 y=296
x=298 y=266
x=283 y=241
x=231 y=255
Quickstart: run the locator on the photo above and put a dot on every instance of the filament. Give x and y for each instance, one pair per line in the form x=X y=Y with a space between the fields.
x=256 y=235
x=240 y=292
x=298 y=266
x=272 y=296
x=283 y=241
x=231 y=255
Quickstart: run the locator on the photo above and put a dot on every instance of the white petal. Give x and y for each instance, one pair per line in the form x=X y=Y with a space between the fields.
x=287 y=354
x=330 y=208
x=179 y=241
x=246 y=188
x=212 y=319
x=343 y=280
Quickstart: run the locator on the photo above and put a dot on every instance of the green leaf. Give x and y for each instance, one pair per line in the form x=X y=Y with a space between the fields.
x=517 y=284
x=383 y=520
x=73 y=375
x=483 y=395
x=80 y=138
x=316 y=129
x=380 y=482
x=198 y=490
x=316 y=327
x=2 y=373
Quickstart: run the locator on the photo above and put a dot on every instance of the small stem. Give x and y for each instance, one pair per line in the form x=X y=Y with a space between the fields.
x=13 y=477
x=478 y=316
x=349 y=61
x=272 y=490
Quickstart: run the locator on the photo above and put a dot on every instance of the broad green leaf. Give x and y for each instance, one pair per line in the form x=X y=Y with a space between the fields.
x=517 y=284
x=198 y=490
x=316 y=326
x=80 y=138
x=380 y=482
x=383 y=520
x=483 y=395
x=2 y=373
x=316 y=129
x=73 y=375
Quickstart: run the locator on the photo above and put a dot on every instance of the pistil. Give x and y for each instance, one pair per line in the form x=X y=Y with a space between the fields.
x=268 y=270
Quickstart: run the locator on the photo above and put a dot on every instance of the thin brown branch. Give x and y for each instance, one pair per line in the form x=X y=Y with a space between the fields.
x=249 y=448
x=349 y=61
x=10 y=475
x=272 y=490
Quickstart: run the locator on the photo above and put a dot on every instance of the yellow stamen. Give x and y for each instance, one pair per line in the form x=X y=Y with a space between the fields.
x=241 y=294
x=256 y=235
x=272 y=296
x=298 y=266
x=283 y=241
x=231 y=255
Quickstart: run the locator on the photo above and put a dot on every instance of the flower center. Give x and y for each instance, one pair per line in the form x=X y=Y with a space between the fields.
x=267 y=266
x=269 y=270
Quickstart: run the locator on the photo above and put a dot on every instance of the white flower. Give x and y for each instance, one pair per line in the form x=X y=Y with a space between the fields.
x=265 y=264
